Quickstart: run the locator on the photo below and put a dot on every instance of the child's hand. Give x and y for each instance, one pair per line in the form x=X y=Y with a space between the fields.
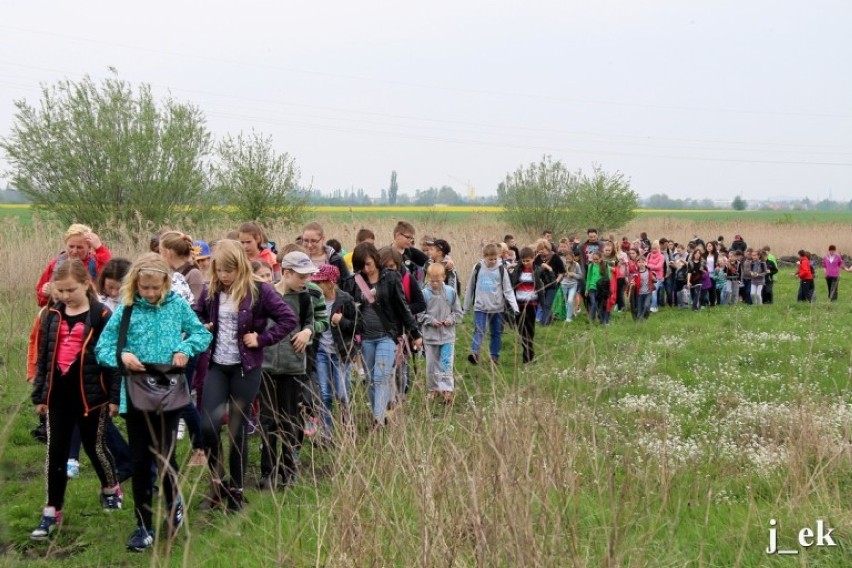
x=131 y=362
x=180 y=360
x=300 y=340
x=335 y=319
x=113 y=410
x=47 y=289
x=41 y=409
x=438 y=323
x=448 y=323
x=250 y=340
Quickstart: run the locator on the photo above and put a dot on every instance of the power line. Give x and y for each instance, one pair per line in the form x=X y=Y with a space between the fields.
x=425 y=86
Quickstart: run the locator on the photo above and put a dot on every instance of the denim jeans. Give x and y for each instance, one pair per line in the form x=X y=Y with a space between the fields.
x=378 y=356
x=695 y=295
x=593 y=305
x=547 y=307
x=655 y=294
x=569 y=289
x=333 y=377
x=643 y=306
x=495 y=324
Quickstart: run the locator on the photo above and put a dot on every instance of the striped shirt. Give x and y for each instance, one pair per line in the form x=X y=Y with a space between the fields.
x=525 y=292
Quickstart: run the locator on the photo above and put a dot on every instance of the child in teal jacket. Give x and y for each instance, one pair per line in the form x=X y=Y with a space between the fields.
x=164 y=329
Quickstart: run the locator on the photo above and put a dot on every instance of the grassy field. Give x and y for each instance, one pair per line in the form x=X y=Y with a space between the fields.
x=464 y=213
x=669 y=443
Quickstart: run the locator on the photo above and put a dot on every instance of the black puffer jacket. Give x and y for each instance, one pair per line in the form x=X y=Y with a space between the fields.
x=98 y=385
x=390 y=301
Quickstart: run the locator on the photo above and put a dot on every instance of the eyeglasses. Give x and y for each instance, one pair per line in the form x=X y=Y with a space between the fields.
x=408 y=237
x=310 y=241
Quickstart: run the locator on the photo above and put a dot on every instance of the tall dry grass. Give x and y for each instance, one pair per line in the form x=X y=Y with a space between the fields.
x=531 y=468
x=785 y=239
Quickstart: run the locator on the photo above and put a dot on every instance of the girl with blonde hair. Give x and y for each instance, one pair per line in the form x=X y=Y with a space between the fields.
x=161 y=328
x=236 y=307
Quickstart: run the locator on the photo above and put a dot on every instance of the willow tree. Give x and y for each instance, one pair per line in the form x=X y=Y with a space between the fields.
x=547 y=195
x=94 y=152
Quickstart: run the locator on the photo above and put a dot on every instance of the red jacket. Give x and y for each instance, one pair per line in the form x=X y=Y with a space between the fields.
x=805 y=272
x=636 y=281
x=94 y=263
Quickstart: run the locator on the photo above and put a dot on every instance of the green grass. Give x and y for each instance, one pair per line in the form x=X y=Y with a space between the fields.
x=437 y=215
x=666 y=443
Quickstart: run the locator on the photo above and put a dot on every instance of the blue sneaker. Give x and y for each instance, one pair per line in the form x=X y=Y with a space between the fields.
x=141 y=540
x=112 y=502
x=48 y=524
x=72 y=469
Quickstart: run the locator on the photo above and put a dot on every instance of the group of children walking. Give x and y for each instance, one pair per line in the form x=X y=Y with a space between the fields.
x=269 y=339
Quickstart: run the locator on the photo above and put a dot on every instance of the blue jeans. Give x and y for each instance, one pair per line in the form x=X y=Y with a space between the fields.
x=378 y=356
x=569 y=289
x=333 y=378
x=655 y=301
x=495 y=324
x=643 y=306
x=547 y=307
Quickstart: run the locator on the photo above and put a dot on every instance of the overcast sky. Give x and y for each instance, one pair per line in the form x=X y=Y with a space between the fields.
x=702 y=101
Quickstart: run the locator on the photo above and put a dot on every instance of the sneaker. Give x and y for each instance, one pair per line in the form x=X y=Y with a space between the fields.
x=311 y=426
x=112 y=502
x=72 y=468
x=175 y=518
x=140 y=540
x=39 y=433
x=236 y=500
x=198 y=458
x=48 y=524
x=654 y=310
x=181 y=434
x=473 y=359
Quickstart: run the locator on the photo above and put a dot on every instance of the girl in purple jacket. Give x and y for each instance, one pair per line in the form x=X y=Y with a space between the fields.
x=235 y=308
x=832 y=263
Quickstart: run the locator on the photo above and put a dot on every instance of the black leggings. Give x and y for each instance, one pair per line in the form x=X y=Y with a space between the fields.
x=228 y=388
x=64 y=413
x=152 y=440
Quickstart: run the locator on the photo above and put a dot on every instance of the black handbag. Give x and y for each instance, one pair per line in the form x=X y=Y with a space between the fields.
x=160 y=388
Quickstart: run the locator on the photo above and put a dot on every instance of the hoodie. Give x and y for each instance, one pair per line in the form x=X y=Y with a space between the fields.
x=487 y=293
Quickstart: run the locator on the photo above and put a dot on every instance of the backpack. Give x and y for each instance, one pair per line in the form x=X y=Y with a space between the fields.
x=451 y=296
x=476 y=270
x=603 y=282
x=406 y=286
x=93 y=266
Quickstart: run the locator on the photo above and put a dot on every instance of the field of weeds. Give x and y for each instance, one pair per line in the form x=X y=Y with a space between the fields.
x=669 y=443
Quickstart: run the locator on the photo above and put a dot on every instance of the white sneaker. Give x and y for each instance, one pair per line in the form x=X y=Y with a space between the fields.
x=654 y=310
x=181 y=429
x=72 y=469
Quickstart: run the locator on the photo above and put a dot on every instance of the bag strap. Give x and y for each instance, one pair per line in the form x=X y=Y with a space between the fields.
x=122 y=334
x=371 y=299
x=365 y=290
